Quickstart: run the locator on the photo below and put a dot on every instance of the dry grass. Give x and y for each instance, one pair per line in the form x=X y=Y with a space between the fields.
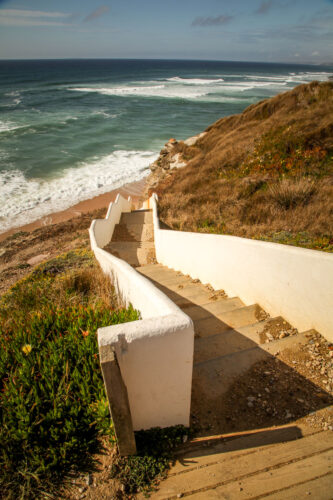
x=89 y=284
x=257 y=173
x=288 y=193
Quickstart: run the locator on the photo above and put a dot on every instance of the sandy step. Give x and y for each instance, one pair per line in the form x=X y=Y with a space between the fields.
x=146 y=270
x=216 y=316
x=222 y=344
x=137 y=217
x=246 y=315
x=141 y=232
x=310 y=457
x=135 y=253
x=201 y=313
x=121 y=233
x=161 y=273
x=215 y=376
x=228 y=341
x=133 y=232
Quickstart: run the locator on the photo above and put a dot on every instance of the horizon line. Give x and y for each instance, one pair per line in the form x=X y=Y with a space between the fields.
x=162 y=59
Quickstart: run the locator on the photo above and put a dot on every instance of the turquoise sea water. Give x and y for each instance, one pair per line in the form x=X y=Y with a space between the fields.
x=70 y=130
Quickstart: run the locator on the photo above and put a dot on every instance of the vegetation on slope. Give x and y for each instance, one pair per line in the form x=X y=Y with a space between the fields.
x=53 y=406
x=54 y=416
x=266 y=173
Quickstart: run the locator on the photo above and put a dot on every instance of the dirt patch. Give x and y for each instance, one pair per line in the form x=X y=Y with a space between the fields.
x=95 y=484
x=276 y=328
x=20 y=252
x=296 y=385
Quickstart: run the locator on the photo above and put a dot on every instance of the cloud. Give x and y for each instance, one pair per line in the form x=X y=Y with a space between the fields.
x=31 y=13
x=212 y=21
x=20 y=17
x=264 y=7
x=100 y=11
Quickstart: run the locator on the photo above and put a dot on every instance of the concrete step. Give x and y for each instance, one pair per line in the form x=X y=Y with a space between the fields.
x=246 y=315
x=146 y=270
x=218 y=316
x=203 y=312
x=133 y=232
x=215 y=339
x=142 y=232
x=227 y=341
x=121 y=233
x=159 y=272
x=135 y=253
x=137 y=217
x=189 y=294
x=214 y=376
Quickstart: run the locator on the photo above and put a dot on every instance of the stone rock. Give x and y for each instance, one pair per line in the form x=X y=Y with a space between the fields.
x=37 y=259
x=192 y=140
x=176 y=162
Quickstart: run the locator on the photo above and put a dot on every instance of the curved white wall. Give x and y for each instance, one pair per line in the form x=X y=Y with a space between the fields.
x=296 y=283
x=155 y=354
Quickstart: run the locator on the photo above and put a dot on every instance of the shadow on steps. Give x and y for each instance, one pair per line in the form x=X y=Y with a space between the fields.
x=238 y=385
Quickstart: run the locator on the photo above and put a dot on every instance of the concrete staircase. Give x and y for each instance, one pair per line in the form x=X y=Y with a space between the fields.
x=229 y=336
x=133 y=238
x=231 y=339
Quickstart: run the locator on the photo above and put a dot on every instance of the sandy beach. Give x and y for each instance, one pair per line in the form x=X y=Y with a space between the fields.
x=133 y=189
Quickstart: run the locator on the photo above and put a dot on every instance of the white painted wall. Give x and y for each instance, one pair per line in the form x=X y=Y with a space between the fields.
x=155 y=354
x=102 y=229
x=292 y=282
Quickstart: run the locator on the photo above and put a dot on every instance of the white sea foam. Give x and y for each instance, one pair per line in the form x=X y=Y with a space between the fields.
x=25 y=200
x=7 y=126
x=146 y=91
x=210 y=89
x=194 y=81
x=16 y=99
x=306 y=77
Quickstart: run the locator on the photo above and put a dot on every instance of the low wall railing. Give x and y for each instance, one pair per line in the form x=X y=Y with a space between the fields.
x=295 y=283
x=154 y=354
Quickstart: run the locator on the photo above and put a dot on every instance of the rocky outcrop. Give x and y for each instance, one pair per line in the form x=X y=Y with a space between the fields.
x=170 y=158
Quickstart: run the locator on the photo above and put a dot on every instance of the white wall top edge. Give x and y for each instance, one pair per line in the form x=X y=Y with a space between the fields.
x=124 y=333
x=158 y=302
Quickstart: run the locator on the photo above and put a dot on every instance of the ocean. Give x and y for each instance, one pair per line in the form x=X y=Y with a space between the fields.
x=73 y=129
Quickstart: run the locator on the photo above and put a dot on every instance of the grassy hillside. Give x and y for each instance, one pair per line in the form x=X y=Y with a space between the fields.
x=266 y=173
x=54 y=419
x=53 y=408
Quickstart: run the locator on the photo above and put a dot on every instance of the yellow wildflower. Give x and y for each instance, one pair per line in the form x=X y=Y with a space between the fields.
x=27 y=349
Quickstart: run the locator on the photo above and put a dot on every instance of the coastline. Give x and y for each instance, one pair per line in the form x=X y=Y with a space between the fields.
x=133 y=189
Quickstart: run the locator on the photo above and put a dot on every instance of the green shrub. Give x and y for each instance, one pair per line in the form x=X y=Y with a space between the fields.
x=155 y=455
x=52 y=401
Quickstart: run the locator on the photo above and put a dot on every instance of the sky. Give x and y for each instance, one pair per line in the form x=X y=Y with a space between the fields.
x=295 y=31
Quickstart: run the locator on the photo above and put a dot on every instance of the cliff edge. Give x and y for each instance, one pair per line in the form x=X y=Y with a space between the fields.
x=266 y=173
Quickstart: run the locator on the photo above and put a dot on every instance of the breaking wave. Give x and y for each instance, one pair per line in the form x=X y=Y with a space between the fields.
x=25 y=200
